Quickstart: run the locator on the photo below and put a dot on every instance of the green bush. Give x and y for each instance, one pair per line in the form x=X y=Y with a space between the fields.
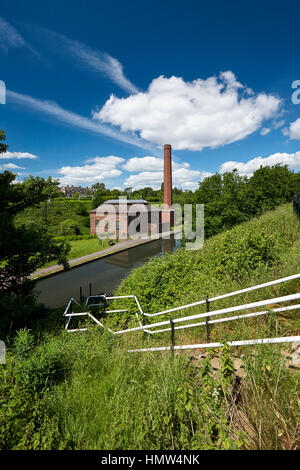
x=36 y=368
x=69 y=227
x=24 y=419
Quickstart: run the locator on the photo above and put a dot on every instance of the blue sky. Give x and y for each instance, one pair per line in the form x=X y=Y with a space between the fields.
x=94 y=89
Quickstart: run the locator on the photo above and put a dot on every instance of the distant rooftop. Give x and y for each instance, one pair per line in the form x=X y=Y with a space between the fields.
x=122 y=201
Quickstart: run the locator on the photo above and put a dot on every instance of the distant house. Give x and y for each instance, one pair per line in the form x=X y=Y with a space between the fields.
x=69 y=191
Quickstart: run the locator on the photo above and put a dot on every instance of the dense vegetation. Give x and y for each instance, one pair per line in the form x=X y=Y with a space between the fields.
x=262 y=249
x=230 y=199
x=23 y=248
x=84 y=391
x=65 y=217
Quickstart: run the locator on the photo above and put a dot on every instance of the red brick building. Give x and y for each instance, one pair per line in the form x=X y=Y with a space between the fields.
x=122 y=218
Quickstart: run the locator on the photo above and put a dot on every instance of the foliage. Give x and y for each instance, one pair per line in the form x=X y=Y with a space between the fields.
x=23 y=249
x=231 y=199
x=3 y=147
x=69 y=227
x=24 y=422
x=57 y=212
x=227 y=260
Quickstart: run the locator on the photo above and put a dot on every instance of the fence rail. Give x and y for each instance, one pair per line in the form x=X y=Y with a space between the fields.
x=247 y=342
x=172 y=323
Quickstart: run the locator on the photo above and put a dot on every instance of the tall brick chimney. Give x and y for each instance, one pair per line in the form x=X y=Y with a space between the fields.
x=167 y=176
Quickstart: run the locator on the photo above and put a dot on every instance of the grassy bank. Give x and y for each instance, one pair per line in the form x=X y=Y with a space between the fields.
x=84 y=247
x=85 y=391
x=255 y=252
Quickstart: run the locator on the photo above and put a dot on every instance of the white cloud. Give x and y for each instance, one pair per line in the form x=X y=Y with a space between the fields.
x=95 y=169
x=191 y=115
x=9 y=37
x=93 y=59
x=278 y=124
x=181 y=178
x=247 y=168
x=11 y=166
x=149 y=172
x=17 y=155
x=107 y=168
x=149 y=163
x=76 y=120
x=294 y=130
x=265 y=131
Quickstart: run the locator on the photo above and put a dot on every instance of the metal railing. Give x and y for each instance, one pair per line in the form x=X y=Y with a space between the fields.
x=102 y=301
x=174 y=324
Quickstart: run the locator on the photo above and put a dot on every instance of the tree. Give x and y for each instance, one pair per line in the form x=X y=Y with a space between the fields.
x=271 y=186
x=224 y=199
x=100 y=196
x=3 y=147
x=99 y=186
x=23 y=249
x=49 y=190
x=69 y=227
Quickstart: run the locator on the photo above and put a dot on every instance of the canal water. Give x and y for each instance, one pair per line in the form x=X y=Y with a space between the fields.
x=105 y=275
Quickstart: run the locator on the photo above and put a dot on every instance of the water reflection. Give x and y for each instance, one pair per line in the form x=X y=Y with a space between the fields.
x=105 y=275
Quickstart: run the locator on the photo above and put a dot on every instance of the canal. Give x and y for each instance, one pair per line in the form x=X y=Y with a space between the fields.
x=105 y=275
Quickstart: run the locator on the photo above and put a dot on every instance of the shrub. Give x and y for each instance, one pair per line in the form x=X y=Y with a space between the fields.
x=24 y=419
x=69 y=227
x=35 y=368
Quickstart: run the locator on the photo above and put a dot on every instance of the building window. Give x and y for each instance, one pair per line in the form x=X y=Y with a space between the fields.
x=118 y=225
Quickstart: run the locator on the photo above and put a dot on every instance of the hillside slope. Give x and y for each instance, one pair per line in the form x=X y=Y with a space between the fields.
x=57 y=212
x=263 y=249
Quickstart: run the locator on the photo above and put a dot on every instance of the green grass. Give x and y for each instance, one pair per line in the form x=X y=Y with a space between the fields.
x=86 y=247
x=85 y=391
x=83 y=247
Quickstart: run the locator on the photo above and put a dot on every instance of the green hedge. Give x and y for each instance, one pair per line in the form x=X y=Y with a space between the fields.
x=71 y=238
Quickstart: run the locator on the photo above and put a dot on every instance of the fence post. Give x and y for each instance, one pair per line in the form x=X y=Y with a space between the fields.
x=207 y=321
x=143 y=323
x=90 y=288
x=172 y=336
